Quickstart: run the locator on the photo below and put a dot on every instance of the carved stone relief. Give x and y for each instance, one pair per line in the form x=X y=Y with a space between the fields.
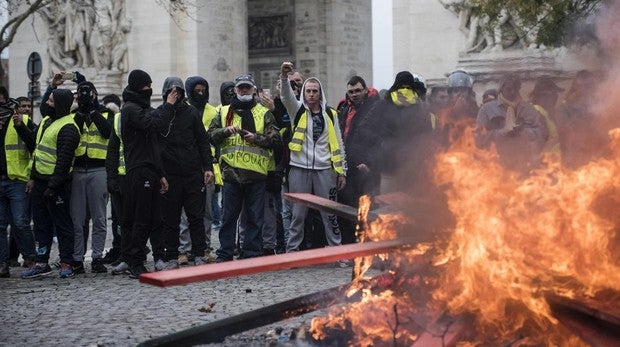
x=85 y=34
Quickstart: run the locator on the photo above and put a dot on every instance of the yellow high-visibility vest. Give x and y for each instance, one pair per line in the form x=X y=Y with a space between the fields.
x=17 y=155
x=121 y=153
x=208 y=115
x=299 y=135
x=45 y=155
x=237 y=152
x=554 y=137
x=92 y=143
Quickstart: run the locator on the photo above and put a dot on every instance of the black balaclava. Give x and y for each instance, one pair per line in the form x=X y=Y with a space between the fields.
x=227 y=91
x=139 y=79
x=63 y=99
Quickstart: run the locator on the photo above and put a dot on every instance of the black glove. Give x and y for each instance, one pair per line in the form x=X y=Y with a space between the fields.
x=49 y=193
x=113 y=186
x=79 y=78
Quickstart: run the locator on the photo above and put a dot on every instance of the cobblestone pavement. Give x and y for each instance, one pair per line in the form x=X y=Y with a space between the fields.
x=106 y=310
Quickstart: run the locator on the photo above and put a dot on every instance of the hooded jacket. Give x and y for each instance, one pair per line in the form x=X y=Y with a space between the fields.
x=223 y=87
x=140 y=126
x=67 y=141
x=195 y=100
x=185 y=145
x=314 y=155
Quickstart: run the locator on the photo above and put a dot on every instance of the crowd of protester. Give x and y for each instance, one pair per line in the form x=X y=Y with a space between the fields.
x=178 y=173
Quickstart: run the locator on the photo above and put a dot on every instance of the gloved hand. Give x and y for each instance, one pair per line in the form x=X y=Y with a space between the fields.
x=79 y=78
x=49 y=193
x=113 y=186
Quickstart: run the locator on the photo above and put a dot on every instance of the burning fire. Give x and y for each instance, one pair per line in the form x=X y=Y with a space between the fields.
x=515 y=241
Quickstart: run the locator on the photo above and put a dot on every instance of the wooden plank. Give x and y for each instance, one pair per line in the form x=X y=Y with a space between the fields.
x=270 y=263
x=322 y=204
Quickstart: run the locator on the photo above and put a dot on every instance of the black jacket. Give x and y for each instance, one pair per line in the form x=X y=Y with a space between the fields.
x=67 y=141
x=185 y=144
x=140 y=126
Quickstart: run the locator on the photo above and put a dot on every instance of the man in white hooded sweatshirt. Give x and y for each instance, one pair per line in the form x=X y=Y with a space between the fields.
x=317 y=158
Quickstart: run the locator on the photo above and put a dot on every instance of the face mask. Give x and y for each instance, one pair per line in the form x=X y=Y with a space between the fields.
x=245 y=98
x=146 y=93
x=201 y=98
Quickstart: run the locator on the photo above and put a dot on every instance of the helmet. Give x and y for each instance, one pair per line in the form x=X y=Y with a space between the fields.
x=460 y=78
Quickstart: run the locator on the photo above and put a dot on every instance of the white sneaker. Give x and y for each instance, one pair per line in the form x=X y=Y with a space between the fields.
x=160 y=265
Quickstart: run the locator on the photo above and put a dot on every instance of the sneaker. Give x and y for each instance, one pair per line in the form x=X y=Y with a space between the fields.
x=66 y=270
x=97 y=266
x=111 y=256
x=269 y=251
x=120 y=269
x=36 y=270
x=160 y=265
x=173 y=264
x=136 y=271
x=199 y=261
x=183 y=259
x=27 y=263
x=78 y=267
x=343 y=263
x=209 y=258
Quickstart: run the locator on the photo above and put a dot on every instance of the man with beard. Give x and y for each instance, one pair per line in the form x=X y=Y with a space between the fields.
x=186 y=156
x=513 y=125
x=355 y=115
x=145 y=179
x=50 y=184
x=246 y=133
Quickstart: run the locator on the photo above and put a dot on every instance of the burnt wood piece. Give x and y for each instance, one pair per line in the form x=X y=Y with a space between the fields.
x=217 y=331
x=595 y=320
x=326 y=205
x=270 y=263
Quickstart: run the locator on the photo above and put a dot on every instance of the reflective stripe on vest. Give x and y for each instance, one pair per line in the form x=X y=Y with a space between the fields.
x=121 y=153
x=299 y=135
x=553 y=143
x=237 y=152
x=17 y=154
x=208 y=115
x=92 y=143
x=45 y=155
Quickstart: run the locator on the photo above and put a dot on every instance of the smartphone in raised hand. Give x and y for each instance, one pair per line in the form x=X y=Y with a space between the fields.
x=68 y=76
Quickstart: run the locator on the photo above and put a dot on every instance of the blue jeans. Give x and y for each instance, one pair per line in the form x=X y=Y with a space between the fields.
x=52 y=214
x=235 y=195
x=15 y=210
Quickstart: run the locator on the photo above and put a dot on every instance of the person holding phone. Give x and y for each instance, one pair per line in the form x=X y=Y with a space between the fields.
x=246 y=133
x=57 y=80
x=187 y=161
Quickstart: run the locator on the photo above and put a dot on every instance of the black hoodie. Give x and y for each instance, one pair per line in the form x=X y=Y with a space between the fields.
x=67 y=141
x=140 y=125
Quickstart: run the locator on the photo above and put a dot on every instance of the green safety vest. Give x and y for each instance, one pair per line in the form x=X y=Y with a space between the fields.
x=237 y=152
x=92 y=143
x=17 y=155
x=299 y=135
x=121 y=153
x=45 y=155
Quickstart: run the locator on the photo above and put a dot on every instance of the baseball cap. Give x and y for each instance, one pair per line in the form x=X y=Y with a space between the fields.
x=244 y=79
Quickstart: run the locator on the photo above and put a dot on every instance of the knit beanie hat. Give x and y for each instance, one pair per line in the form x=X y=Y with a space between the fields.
x=138 y=79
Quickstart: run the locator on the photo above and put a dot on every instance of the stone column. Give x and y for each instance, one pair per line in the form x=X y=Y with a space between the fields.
x=222 y=36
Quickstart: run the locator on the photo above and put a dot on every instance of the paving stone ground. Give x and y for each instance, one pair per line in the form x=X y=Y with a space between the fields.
x=106 y=310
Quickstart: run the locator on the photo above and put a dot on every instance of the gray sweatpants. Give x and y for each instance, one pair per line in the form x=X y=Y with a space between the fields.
x=89 y=191
x=185 y=243
x=321 y=183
